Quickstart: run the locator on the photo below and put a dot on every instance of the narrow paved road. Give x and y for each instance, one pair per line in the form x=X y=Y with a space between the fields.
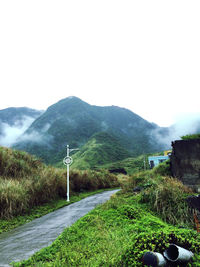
x=25 y=240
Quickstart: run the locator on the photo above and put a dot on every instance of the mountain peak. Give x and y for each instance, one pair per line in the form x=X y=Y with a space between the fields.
x=73 y=121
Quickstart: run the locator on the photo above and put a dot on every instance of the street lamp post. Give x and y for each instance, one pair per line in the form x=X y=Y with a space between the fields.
x=68 y=161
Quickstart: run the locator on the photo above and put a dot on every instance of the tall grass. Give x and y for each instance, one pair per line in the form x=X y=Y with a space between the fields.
x=26 y=182
x=163 y=194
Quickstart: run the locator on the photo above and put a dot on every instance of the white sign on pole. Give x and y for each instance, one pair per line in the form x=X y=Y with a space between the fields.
x=67 y=160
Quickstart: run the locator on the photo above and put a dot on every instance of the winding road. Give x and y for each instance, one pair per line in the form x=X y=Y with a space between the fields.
x=24 y=241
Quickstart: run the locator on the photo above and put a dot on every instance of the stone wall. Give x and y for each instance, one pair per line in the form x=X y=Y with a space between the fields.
x=185 y=162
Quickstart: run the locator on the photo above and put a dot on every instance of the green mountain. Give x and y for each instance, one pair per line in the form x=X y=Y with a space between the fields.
x=101 y=148
x=75 y=122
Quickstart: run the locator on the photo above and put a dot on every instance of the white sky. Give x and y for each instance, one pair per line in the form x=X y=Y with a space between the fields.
x=142 y=55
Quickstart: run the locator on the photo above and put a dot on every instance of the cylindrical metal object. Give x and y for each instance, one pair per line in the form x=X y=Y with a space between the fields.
x=175 y=253
x=154 y=259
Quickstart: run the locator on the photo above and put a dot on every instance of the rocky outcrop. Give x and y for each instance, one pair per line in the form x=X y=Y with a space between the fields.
x=185 y=162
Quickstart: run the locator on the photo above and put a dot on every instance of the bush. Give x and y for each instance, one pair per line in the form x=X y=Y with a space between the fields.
x=190 y=136
x=167 y=198
x=163 y=169
x=164 y=195
x=158 y=242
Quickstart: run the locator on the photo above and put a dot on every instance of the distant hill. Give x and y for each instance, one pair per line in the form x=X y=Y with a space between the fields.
x=13 y=115
x=74 y=122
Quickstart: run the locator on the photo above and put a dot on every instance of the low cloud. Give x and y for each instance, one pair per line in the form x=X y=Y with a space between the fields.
x=186 y=124
x=10 y=133
x=41 y=137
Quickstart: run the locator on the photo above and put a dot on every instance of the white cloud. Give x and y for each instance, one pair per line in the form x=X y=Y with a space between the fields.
x=142 y=55
x=10 y=133
x=185 y=124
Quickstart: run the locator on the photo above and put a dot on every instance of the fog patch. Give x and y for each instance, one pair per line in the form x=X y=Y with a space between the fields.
x=186 y=124
x=34 y=136
x=104 y=126
x=46 y=128
x=10 y=133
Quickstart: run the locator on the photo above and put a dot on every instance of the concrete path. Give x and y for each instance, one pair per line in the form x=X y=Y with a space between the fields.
x=24 y=241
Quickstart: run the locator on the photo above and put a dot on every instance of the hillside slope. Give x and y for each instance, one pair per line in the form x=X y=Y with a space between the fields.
x=73 y=121
x=101 y=148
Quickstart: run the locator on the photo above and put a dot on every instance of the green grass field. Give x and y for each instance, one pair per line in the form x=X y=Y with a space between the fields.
x=119 y=232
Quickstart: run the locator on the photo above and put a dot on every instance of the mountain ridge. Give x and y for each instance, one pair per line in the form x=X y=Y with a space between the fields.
x=73 y=121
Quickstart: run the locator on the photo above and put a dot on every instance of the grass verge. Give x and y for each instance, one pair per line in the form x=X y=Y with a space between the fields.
x=25 y=182
x=117 y=233
x=38 y=211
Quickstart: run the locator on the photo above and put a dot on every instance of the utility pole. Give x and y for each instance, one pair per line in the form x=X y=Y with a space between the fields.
x=68 y=161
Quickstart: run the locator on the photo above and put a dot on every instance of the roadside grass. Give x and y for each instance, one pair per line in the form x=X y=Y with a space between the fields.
x=39 y=211
x=164 y=195
x=25 y=182
x=117 y=233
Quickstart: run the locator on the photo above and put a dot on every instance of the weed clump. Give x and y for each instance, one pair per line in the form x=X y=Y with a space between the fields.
x=167 y=198
x=163 y=194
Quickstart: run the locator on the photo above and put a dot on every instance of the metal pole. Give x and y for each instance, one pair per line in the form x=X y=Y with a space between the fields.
x=68 y=182
x=68 y=161
x=68 y=175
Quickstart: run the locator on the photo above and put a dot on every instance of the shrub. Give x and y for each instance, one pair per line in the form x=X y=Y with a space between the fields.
x=167 y=198
x=163 y=169
x=190 y=136
x=158 y=242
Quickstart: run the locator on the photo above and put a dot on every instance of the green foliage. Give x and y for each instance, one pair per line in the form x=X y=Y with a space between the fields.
x=101 y=148
x=167 y=198
x=26 y=182
x=73 y=121
x=190 y=136
x=158 y=242
x=164 y=195
x=130 y=164
x=163 y=169
x=17 y=164
x=118 y=233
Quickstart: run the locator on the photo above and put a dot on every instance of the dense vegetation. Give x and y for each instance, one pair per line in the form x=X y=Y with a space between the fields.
x=25 y=182
x=117 y=234
x=190 y=136
x=100 y=149
x=133 y=222
x=130 y=165
x=73 y=121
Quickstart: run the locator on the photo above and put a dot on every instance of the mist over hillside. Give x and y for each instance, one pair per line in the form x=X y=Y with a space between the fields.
x=77 y=123
x=73 y=121
x=14 y=122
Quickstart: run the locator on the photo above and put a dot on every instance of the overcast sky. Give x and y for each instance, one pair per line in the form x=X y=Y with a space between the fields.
x=142 y=55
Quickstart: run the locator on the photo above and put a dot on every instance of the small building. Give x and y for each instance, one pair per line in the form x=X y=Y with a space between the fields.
x=156 y=160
